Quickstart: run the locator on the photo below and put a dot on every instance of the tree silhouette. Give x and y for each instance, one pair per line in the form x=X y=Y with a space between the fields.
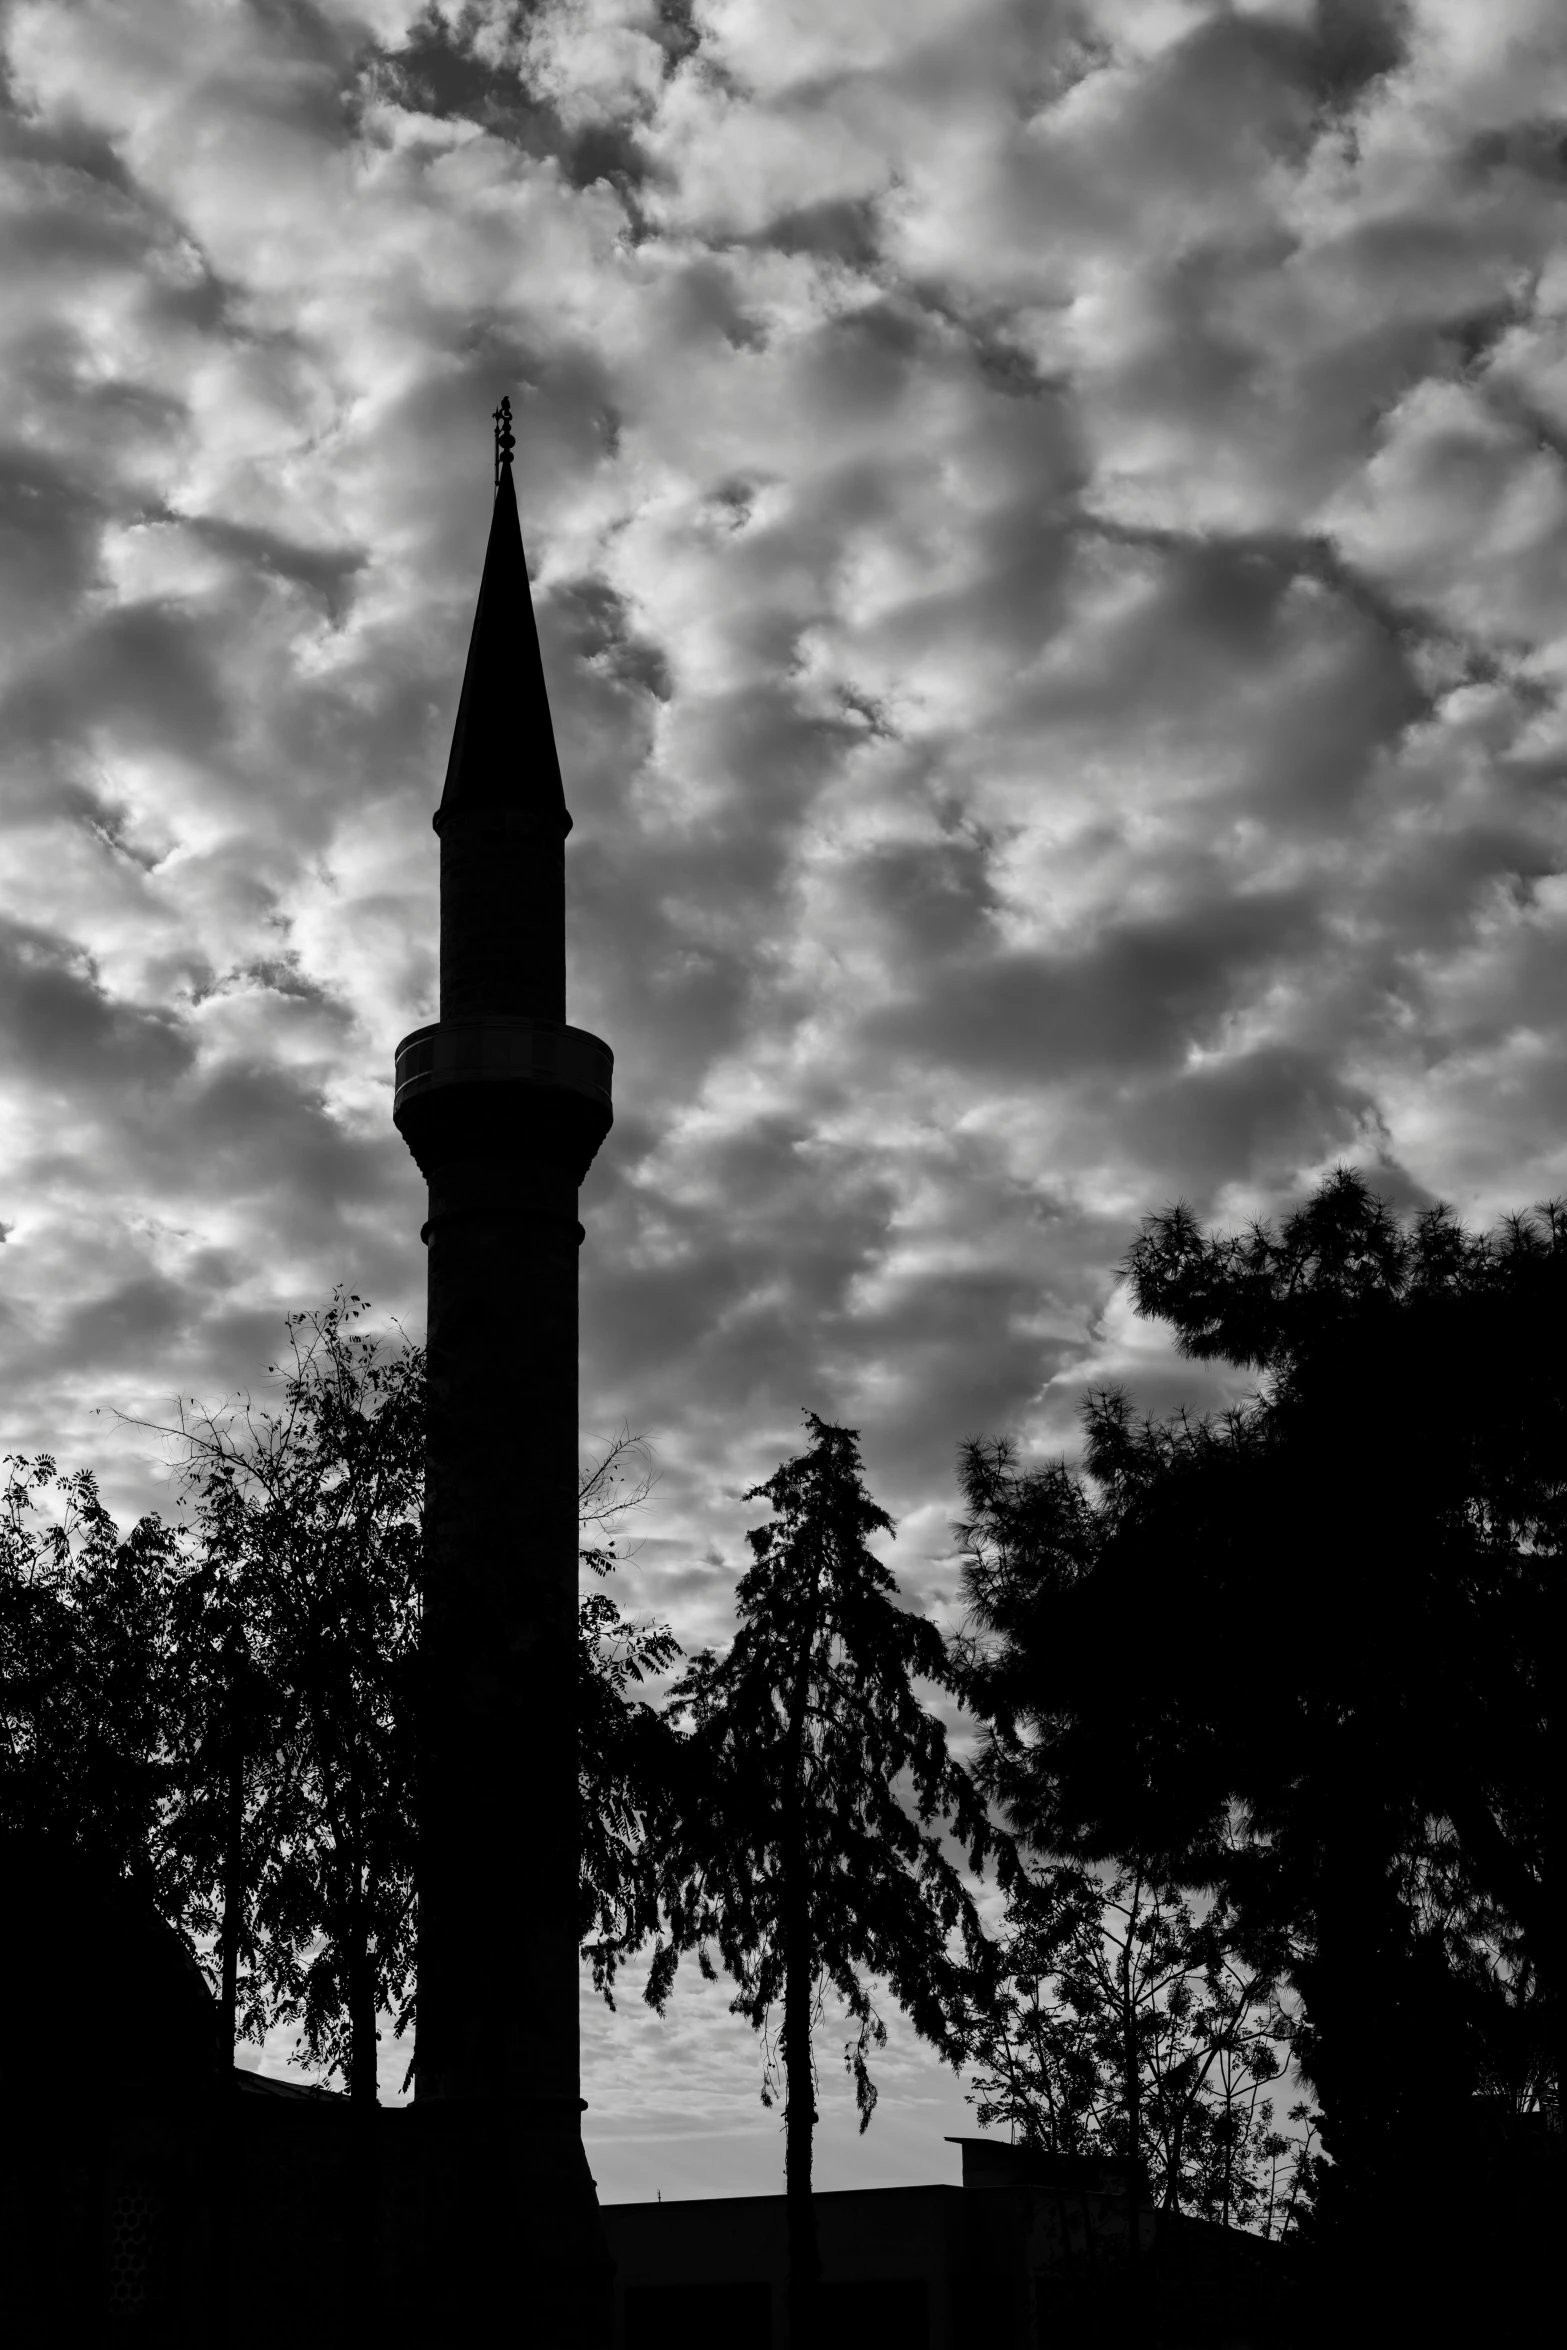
x=299 y=1633
x=236 y=1786
x=86 y=1684
x=800 y=1838
x=624 y=1744
x=1126 y=2026
x=1378 y=1533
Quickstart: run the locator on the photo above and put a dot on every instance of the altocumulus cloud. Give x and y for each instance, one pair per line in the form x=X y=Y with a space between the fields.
x=1049 y=524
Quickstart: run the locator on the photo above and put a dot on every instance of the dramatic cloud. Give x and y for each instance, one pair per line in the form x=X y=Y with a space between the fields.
x=1050 y=529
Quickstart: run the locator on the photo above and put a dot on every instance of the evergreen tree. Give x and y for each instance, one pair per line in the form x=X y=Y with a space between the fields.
x=805 y=1837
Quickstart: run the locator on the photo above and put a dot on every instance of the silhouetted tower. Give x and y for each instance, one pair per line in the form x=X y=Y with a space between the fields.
x=503 y=1106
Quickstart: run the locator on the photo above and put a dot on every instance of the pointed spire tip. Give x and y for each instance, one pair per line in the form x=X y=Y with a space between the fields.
x=505 y=439
x=503 y=766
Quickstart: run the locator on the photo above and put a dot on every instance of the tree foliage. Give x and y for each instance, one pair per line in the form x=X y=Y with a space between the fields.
x=86 y=1673
x=226 y=1708
x=299 y=1626
x=1329 y=1616
x=308 y=1522
x=623 y=1741
x=1126 y=2025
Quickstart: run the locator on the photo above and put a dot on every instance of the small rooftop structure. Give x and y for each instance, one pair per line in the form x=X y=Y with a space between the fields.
x=904 y=2268
x=1032 y=2252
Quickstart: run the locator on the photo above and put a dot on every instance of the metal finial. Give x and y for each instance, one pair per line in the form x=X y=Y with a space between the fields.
x=505 y=440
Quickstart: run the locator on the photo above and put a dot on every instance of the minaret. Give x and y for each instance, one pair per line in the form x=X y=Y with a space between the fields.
x=503 y=1106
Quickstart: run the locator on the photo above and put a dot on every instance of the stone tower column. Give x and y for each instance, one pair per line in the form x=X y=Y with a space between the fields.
x=503 y=1106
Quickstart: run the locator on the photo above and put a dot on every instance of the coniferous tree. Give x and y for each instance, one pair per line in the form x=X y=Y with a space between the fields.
x=805 y=1839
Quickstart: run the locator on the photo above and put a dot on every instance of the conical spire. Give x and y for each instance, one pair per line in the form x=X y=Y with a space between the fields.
x=503 y=761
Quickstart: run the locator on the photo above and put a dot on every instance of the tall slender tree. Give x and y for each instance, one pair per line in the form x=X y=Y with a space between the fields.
x=806 y=1837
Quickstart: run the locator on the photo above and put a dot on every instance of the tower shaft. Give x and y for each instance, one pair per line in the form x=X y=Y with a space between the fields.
x=503 y=1106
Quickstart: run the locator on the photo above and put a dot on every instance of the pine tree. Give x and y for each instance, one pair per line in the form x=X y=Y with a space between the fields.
x=815 y=1791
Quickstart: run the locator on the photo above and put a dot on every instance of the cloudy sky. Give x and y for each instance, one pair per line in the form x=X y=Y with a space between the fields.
x=1049 y=528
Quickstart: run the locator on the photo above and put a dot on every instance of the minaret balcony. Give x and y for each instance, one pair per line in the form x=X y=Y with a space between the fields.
x=490 y=1085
